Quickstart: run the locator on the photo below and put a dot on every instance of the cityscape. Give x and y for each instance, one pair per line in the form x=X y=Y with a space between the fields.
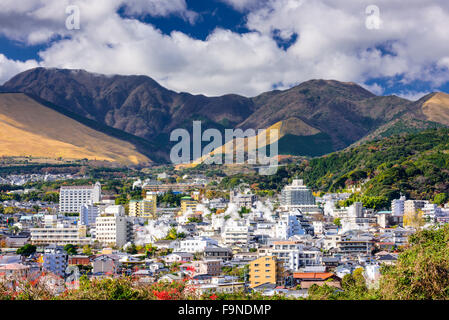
x=224 y=158
x=216 y=243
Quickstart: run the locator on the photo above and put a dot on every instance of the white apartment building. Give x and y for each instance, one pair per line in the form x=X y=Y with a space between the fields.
x=71 y=198
x=111 y=227
x=294 y=255
x=288 y=226
x=197 y=244
x=88 y=214
x=60 y=234
x=235 y=234
x=397 y=206
x=55 y=260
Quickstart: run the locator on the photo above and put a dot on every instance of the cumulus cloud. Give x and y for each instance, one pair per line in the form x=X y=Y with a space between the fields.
x=9 y=68
x=244 y=5
x=332 y=42
x=160 y=8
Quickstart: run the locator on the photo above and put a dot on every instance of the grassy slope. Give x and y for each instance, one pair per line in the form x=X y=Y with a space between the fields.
x=29 y=128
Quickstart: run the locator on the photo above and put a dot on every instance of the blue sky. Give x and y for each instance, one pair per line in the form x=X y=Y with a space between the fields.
x=236 y=46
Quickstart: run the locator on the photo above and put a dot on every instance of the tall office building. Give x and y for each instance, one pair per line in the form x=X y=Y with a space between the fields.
x=71 y=198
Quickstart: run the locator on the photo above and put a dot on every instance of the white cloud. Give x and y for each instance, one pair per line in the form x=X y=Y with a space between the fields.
x=412 y=95
x=161 y=8
x=244 y=5
x=9 y=68
x=333 y=43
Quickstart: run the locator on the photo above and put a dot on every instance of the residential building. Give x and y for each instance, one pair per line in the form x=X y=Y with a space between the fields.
x=209 y=267
x=266 y=269
x=187 y=203
x=55 y=260
x=88 y=214
x=298 y=196
x=111 y=227
x=236 y=234
x=178 y=257
x=242 y=200
x=308 y=279
x=61 y=235
x=71 y=198
x=196 y=244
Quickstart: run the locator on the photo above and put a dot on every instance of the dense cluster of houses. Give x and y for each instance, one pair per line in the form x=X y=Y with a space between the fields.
x=281 y=245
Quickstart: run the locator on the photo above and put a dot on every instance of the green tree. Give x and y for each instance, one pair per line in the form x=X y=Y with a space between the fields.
x=26 y=250
x=422 y=271
x=441 y=198
x=87 y=250
x=337 y=222
x=70 y=249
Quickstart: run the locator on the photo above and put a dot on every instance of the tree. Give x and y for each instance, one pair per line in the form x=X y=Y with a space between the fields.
x=70 y=249
x=441 y=198
x=87 y=250
x=337 y=222
x=26 y=250
x=421 y=271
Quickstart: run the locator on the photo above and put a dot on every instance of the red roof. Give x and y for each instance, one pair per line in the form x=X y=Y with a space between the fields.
x=312 y=275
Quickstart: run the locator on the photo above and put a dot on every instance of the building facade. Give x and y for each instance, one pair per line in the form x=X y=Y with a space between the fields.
x=71 y=198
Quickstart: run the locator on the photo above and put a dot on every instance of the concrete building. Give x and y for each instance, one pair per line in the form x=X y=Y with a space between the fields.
x=71 y=198
x=209 y=267
x=187 y=203
x=265 y=270
x=242 y=200
x=55 y=260
x=235 y=234
x=197 y=244
x=111 y=227
x=298 y=196
x=61 y=234
x=397 y=206
x=88 y=214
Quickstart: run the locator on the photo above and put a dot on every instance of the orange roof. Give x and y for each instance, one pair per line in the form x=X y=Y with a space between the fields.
x=312 y=275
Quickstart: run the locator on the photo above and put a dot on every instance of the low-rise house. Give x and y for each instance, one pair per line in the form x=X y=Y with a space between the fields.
x=80 y=260
x=215 y=252
x=307 y=279
x=209 y=267
x=105 y=264
x=155 y=266
x=170 y=278
x=178 y=257
x=144 y=276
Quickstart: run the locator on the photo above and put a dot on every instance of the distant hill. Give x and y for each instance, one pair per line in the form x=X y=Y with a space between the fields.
x=316 y=117
x=413 y=164
x=30 y=128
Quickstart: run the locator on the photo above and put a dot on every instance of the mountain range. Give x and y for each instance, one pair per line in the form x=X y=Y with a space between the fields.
x=315 y=118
